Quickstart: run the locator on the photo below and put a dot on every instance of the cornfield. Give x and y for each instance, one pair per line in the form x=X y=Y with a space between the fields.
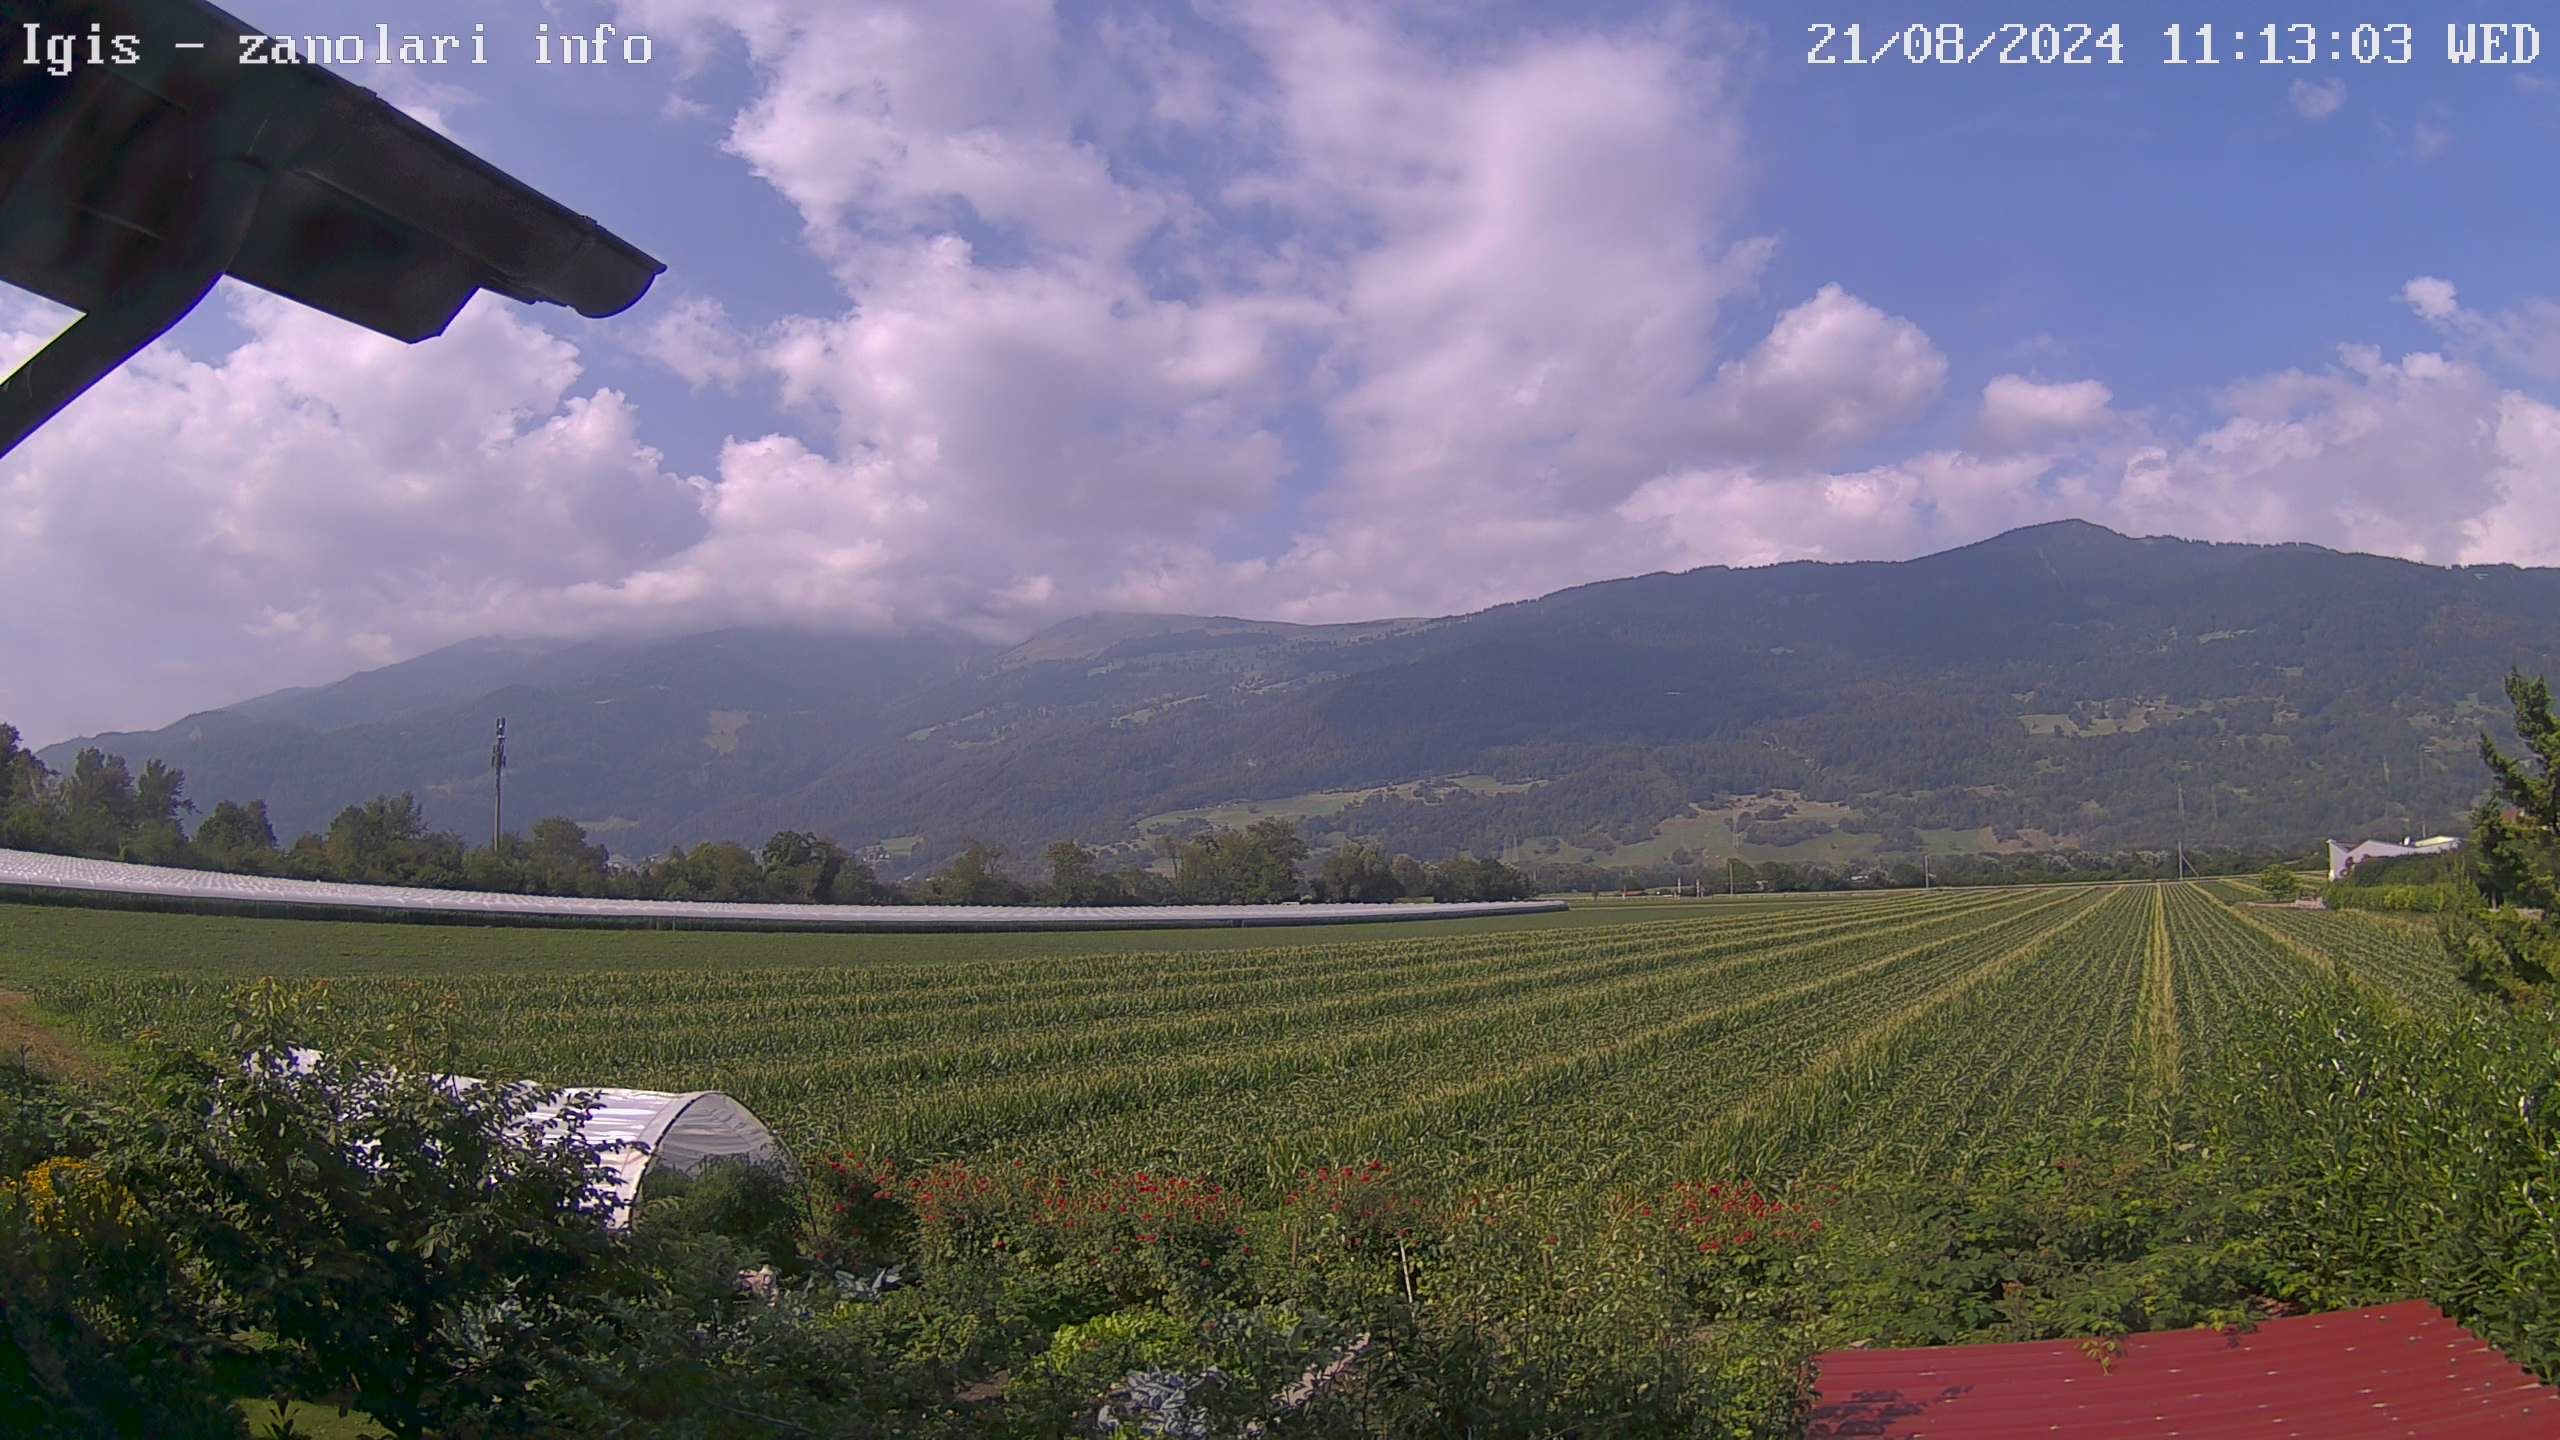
x=1827 y=1039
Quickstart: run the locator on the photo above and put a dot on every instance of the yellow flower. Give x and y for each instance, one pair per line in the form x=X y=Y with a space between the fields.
x=64 y=1195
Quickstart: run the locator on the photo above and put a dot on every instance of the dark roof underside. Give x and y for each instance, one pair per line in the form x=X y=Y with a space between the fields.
x=2396 y=1370
x=365 y=213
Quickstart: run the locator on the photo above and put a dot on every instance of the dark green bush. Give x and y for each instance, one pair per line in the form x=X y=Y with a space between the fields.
x=2407 y=899
x=2392 y=1155
x=95 y=1335
x=760 y=1206
x=38 y=1119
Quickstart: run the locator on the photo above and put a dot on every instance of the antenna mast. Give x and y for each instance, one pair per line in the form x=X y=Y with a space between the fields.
x=498 y=789
x=2182 y=830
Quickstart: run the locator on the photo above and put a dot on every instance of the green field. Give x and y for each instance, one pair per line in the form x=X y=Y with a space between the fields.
x=1601 y=1047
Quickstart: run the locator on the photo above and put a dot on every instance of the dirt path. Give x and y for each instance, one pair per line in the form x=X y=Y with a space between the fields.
x=47 y=1050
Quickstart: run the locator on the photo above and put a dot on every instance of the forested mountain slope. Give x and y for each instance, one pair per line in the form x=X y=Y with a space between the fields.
x=2055 y=685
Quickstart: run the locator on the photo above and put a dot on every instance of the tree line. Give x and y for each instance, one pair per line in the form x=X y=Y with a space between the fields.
x=2032 y=867
x=103 y=809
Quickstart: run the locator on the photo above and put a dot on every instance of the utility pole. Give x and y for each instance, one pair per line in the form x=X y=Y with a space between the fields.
x=498 y=789
x=2182 y=830
x=1728 y=877
x=1924 y=869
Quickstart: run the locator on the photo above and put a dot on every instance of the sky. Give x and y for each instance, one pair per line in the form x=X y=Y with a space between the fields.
x=985 y=313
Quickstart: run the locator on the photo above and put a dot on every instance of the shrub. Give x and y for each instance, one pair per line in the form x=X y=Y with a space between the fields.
x=412 y=1247
x=760 y=1206
x=2407 y=899
x=38 y=1119
x=93 y=1337
x=2400 y=1155
x=857 y=1217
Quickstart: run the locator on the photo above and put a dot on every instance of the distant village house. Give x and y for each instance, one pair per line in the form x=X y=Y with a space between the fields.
x=2343 y=859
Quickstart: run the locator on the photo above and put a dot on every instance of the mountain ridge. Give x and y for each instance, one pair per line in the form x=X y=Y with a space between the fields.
x=2054 y=684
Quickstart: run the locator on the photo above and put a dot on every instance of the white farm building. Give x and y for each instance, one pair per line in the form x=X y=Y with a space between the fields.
x=2344 y=858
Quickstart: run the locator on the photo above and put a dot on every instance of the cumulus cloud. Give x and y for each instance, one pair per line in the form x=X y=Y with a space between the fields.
x=693 y=338
x=1496 y=281
x=2332 y=457
x=2326 y=456
x=2431 y=297
x=1444 y=325
x=2018 y=411
x=1835 y=372
x=2316 y=99
x=1741 y=516
x=315 y=499
x=2525 y=338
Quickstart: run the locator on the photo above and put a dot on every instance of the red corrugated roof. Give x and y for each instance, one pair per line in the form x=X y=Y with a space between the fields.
x=2396 y=1370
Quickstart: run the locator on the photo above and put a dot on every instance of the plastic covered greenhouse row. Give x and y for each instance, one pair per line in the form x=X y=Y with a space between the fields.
x=640 y=1132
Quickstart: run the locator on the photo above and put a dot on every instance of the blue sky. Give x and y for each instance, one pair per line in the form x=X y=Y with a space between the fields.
x=984 y=313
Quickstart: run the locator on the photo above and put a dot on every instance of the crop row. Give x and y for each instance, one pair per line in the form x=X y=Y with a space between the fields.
x=569 y=1013
x=2401 y=957
x=2224 y=970
x=1845 y=1037
x=2052 y=1038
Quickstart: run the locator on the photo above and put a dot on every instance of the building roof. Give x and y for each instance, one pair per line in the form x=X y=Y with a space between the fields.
x=2341 y=856
x=365 y=213
x=129 y=189
x=2394 y=1370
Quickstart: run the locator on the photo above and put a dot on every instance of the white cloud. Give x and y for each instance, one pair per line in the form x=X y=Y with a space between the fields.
x=693 y=338
x=1740 y=516
x=278 y=513
x=2390 y=457
x=2525 y=337
x=1445 y=325
x=1834 y=373
x=2018 y=411
x=2331 y=457
x=1497 y=278
x=1005 y=442
x=2431 y=297
x=2316 y=99
x=2428 y=139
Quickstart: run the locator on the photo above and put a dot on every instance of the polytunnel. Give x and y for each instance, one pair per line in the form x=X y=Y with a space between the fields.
x=639 y=1132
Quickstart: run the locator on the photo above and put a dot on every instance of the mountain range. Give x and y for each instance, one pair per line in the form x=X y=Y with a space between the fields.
x=2056 y=686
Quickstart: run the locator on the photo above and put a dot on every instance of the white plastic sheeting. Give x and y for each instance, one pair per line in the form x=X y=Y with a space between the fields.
x=636 y=1132
x=26 y=870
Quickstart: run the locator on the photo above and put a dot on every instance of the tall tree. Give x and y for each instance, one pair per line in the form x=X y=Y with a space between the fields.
x=9 y=764
x=1269 y=859
x=1074 y=877
x=808 y=868
x=234 y=832
x=2507 y=940
x=719 y=870
x=973 y=877
x=1468 y=878
x=1411 y=878
x=97 y=804
x=1358 y=873
x=365 y=841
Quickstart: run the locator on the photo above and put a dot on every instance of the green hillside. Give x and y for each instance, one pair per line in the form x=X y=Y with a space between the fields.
x=2060 y=685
